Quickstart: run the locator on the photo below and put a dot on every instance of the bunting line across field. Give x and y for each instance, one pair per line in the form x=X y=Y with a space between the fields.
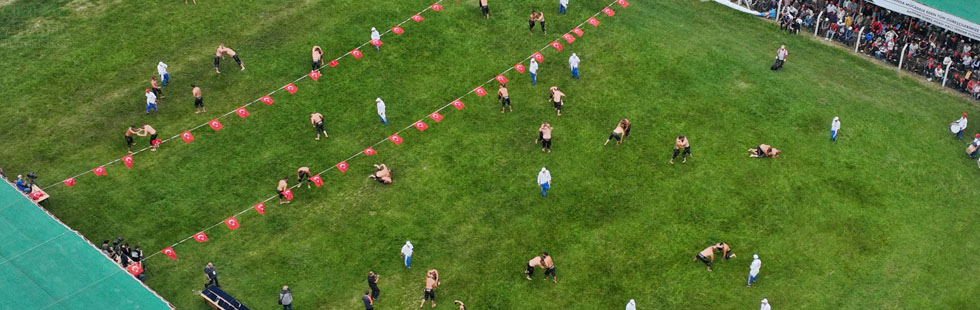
x=242 y=111
x=420 y=125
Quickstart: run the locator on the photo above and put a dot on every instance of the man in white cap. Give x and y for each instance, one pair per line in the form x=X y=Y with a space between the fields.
x=834 y=128
x=544 y=180
x=164 y=76
x=754 y=269
x=533 y=69
x=376 y=36
x=631 y=305
x=151 y=101
x=407 y=250
x=765 y=305
x=573 y=63
x=961 y=123
x=381 y=111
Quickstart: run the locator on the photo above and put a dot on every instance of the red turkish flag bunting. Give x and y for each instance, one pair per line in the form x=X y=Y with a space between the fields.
x=480 y=91
x=215 y=124
x=99 y=171
x=370 y=151
x=342 y=166
x=317 y=180
x=501 y=78
x=568 y=38
x=458 y=104
x=156 y=142
x=201 y=237
x=333 y=63
x=187 y=136
x=242 y=112
x=398 y=30
x=396 y=139
x=623 y=3
x=232 y=223
x=435 y=116
x=376 y=42
x=268 y=100
x=69 y=182
x=578 y=31
x=128 y=161
x=594 y=22
x=609 y=11
x=421 y=126
x=520 y=68
x=260 y=207
x=436 y=7
x=315 y=75
x=36 y=195
x=169 y=252
x=356 y=53
x=134 y=269
x=291 y=88
x=537 y=56
x=557 y=45
x=418 y=18
x=288 y=193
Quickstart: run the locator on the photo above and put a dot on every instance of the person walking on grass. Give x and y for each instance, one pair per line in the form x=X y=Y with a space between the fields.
x=376 y=36
x=544 y=134
x=781 y=55
x=198 y=100
x=765 y=305
x=372 y=280
x=485 y=9
x=834 y=128
x=406 y=254
x=573 y=64
x=754 y=269
x=130 y=131
x=151 y=101
x=961 y=125
x=281 y=190
x=317 y=57
x=679 y=144
x=431 y=282
x=164 y=75
x=533 y=69
x=148 y=130
x=155 y=87
x=381 y=111
x=562 y=7
x=504 y=96
x=220 y=54
x=368 y=302
x=557 y=99
x=544 y=181
x=286 y=298
x=316 y=119
x=211 y=274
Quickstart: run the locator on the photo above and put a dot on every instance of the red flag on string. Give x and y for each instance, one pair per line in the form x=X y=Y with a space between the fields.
x=623 y=3
x=134 y=269
x=537 y=56
x=396 y=139
x=232 y=223
x=169 y=252
x=128 y=161
x=501 y=78
x=36 y=195
x=333 y=63
x=215 y=124
x=356 y=53
x=187 y=136
x=342 y=166
x=291 y=88
x=568 y=38
x=594 y=22
x=557 y=45
x=268 y=100
x=99 y=171
x=609 y=11
x=435 y=116
x=156 y=142
x=201 y=237
x=421 y=126
x=578 y=31
x=418 y=18
x=370 y=151
x=520 y=68
x=315 y=75
x=480 y=91
x=242 y=112
x=288 y=193
x=69 y=182
x=317 y=180
x=376 y=42
x=260 y=207
x=398 y=30
x=458 y=104
x=436 y=7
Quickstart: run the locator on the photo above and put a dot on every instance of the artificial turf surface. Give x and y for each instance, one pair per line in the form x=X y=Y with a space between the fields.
x=882 y=219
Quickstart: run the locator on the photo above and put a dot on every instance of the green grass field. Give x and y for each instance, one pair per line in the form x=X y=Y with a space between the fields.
x=885 y=218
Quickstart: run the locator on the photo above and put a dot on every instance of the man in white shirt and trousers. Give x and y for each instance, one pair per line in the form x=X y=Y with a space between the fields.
x=765 y=305
x=381 y=111
x=533 y=69
x=376 y=36
x=961 y=123
x=544 y=181
x=151 y=101
x=164 y=76
x=754 y=269
x=562 y=6
x=573 y=63
x=407 y=254
x=834 y=128
x=631 y=305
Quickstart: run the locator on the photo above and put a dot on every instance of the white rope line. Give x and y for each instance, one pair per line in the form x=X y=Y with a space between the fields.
x=246 y=105
x=382 y=140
